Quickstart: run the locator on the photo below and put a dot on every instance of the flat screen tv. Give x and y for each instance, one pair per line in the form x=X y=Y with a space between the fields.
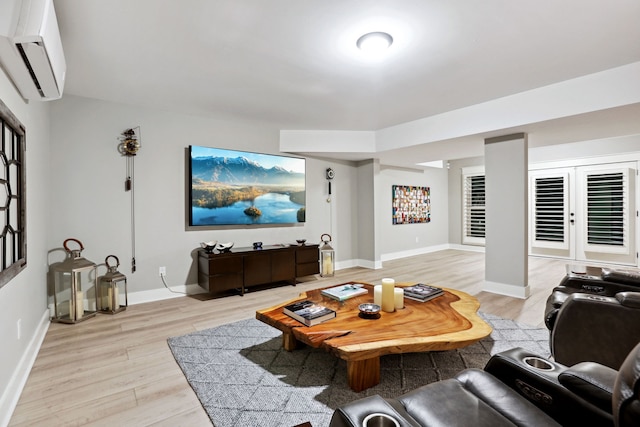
x=230 y=187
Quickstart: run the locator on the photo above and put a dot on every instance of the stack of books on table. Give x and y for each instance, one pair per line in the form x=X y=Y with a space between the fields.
x=345 y=291
x=422 y=292
x=308 y=312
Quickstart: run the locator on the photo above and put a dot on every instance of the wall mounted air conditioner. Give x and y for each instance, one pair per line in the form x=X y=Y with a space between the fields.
x=31 y=49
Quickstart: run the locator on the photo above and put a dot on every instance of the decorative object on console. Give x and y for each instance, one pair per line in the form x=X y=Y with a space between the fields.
x=388 y=303
x=229 y=187
x=327 y=257
x=224 y=247
x=301 y=241
x=308 y=312
x=411 y=205
x=344 y=292
x=257 y=245
x=112 y=287
x=74 y=278
x=209 y=246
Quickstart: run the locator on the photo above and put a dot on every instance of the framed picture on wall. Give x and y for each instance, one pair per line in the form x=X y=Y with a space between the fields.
x=410 y=204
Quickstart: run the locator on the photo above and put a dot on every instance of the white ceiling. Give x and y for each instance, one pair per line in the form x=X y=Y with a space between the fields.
x=294 y=63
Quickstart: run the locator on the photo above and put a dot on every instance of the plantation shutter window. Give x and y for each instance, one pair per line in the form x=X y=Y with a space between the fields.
x=550 y=211
x=608 y=211
x=474 y=209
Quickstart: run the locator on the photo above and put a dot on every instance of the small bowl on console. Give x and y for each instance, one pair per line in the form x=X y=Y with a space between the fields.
x=369 y=310
x=209 y=246
x=225 y=247
x=301 y=241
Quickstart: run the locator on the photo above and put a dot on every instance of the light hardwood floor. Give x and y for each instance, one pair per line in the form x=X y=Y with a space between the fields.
x=118 y=370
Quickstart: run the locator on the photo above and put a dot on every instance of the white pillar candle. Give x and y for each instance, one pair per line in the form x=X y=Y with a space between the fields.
x=109 y=299
x=398 y=297
x=388 y=304
x=377 y=295
x=79 y=305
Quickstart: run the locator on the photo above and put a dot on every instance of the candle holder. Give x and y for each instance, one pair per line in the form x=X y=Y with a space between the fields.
x=113 y=287
x=327 y=257
x=74 y=281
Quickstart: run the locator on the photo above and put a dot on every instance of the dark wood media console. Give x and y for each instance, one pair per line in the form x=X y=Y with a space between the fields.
x=243 y=268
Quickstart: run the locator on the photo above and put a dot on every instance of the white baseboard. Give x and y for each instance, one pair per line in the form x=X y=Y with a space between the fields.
x=468 y=248
x=11 y=395
x=164 y=293
x=412 y=252
x=515 y=291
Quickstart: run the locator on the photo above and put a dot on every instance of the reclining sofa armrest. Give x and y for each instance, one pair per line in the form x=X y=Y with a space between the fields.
x=629 y=299
x=626 y=277
x=537 y=379
x=592 y=382
x=353 y=414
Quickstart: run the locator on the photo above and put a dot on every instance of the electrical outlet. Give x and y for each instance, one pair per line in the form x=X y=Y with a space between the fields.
x=417 y=239
x=19 y=328
x=162 y=271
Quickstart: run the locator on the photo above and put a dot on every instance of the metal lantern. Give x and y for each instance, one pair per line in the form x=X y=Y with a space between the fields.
x=74 y=281
x=112 y=287
x=327 y=257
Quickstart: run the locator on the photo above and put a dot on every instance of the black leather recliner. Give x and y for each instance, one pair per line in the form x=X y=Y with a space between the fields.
x=605 y=282
x=515 y=388
x=594 y=317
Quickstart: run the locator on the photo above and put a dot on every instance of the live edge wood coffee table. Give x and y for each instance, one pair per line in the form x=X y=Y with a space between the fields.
x=443 y=323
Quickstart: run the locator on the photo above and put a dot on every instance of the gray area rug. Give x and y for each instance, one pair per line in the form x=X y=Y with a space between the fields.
x=243 y=377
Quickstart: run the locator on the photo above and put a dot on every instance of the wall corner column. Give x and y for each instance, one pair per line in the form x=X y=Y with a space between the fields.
x=507 y=241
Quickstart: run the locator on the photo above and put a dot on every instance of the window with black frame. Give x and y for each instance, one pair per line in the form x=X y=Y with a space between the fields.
x=13 y=242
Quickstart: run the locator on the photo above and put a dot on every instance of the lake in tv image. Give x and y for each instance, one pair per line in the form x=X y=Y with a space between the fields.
x=235 y=187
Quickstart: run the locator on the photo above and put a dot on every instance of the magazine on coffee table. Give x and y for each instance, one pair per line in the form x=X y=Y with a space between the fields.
x=308 y=312
x=345 y=291
x=422 y=292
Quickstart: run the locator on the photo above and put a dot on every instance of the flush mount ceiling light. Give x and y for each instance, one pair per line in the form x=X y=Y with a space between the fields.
x=375 y=42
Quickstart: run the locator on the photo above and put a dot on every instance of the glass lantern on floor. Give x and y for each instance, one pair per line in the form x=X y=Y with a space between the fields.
x=74 y=280
x=112 y=288
x=327 y=257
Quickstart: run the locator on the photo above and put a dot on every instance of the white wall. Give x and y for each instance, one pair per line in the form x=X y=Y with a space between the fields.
x=89 y=201
x=411 y=239
x=24 y=298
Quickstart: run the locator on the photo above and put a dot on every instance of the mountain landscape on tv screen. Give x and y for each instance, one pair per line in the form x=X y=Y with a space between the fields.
x=241 y=171
x=237 y=190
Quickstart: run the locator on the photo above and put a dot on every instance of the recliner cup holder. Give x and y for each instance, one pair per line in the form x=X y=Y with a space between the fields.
x=538 y=363
x=379 y=420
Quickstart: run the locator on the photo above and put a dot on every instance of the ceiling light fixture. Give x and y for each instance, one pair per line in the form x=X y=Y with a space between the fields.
x=375 y=42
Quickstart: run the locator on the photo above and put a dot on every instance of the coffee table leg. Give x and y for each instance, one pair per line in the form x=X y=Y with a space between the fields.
x=289 y=342
x=362 y=374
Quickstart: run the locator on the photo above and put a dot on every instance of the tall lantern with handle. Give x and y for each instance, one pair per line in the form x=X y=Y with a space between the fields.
x=74 y=279
x=327 y=257
x=112 y=288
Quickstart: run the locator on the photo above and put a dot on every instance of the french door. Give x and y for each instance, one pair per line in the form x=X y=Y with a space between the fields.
x=585 y=213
